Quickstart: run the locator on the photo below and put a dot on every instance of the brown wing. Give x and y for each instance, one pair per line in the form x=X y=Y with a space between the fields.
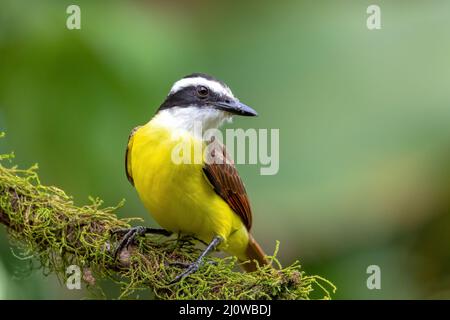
x=128 y=171
x=225 y=180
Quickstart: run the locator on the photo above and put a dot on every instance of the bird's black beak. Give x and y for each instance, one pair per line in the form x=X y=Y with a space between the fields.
x=235 y=107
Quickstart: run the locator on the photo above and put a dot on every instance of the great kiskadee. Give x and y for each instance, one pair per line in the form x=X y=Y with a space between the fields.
x=206 y=200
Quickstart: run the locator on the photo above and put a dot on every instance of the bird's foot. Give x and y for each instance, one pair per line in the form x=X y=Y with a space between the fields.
x=190 y=269
x=193 y=267
x=130 y=235
x=128 y=238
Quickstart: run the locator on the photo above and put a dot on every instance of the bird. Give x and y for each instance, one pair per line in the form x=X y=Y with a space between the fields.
x=205 y=199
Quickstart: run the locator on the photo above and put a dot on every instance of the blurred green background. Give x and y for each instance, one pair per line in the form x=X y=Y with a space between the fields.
x=364 y=119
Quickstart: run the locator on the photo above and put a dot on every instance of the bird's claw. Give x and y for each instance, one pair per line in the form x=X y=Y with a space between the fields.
x=196 y=265
x=128 y=238
x=191 y=268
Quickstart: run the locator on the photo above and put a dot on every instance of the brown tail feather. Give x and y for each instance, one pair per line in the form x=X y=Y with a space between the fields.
x=254 y=252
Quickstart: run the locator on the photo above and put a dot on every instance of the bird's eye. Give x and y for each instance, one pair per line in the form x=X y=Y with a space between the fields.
x=202 y=91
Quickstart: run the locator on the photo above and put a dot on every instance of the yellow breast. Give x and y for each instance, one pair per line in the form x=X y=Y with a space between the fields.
x=178 y=195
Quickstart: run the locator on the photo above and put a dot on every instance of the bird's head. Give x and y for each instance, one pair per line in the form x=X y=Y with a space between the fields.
x=203 y=98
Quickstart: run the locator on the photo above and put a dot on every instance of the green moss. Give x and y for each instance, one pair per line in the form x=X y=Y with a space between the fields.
x=44 y=222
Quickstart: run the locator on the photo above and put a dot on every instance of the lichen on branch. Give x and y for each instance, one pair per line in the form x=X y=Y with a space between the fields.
x=46 y=225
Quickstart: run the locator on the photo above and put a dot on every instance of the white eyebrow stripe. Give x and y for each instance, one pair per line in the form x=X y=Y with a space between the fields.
x=199 y=81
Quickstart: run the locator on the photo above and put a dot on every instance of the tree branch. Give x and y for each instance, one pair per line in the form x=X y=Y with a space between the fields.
x=44 y=222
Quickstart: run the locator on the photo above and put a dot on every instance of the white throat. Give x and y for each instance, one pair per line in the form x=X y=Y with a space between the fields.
x=191 y=118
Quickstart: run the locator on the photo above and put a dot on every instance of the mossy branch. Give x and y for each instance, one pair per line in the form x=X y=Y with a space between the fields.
x=44 y=222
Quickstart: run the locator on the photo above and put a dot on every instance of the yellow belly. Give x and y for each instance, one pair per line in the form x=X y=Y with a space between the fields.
x=178 y=196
